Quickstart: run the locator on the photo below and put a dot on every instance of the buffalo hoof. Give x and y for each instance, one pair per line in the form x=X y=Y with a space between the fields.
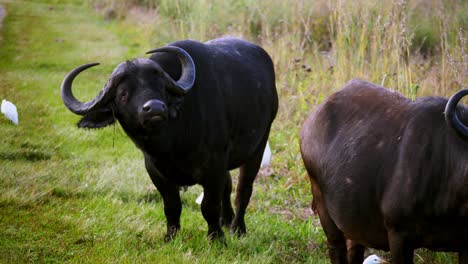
x=171 y=233
x=168 y=238
x=227 y=220
x=217 y=237
x=238 y=229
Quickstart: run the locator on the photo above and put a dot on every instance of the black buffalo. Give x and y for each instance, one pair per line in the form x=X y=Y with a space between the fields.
x=389 y=173
x=195 y=110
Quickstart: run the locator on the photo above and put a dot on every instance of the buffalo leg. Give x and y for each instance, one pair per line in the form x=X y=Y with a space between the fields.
x=171 y=198
x=463 y=257
x=336 y=242
x=355 y=252
x=401 y=252
x=227 y=212
x=172 y=210
x=335 y=238
x=247 y=175
x=211 y=205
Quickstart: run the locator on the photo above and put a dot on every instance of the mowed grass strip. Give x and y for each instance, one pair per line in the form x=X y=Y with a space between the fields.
x=70 y=195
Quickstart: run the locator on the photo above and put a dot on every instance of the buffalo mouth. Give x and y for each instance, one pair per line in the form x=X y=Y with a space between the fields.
x=149 y=121
x=153 y=121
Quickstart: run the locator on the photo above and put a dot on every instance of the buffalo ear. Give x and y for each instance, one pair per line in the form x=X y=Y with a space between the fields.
x=97 y=118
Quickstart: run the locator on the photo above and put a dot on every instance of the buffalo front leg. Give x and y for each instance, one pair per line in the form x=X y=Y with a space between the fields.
x=401 y=251
x=172 y=210
x=211 y=205
x=227 y=212
x=171 y=198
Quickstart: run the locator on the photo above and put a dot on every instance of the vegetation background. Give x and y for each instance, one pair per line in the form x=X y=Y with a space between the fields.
x=70 y=195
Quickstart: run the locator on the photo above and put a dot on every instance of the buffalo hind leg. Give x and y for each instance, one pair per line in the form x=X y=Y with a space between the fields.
x=227 y=211
x=336 y=241
x=335 y=238
x=355 y=252
x=463 y=257
x=401 y=251
x=247 y=175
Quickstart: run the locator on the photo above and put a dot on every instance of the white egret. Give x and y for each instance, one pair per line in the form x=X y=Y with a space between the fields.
x=10 y=111
x=374 y=259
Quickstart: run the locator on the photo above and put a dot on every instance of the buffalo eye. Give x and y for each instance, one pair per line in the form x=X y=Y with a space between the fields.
x=123 y=96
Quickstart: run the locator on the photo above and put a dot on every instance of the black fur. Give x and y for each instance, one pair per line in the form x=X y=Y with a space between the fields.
x=222 y=123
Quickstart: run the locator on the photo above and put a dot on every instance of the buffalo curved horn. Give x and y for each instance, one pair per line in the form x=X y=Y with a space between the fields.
x=187 y=78
x=74 y=104
x=451 y=116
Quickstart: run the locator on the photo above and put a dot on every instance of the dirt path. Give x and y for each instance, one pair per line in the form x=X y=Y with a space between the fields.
x=2 y=15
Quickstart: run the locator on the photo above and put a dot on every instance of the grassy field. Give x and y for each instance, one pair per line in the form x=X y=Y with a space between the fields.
x=70 y=195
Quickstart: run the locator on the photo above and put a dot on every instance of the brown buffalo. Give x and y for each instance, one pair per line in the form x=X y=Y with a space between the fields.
x=388 y=172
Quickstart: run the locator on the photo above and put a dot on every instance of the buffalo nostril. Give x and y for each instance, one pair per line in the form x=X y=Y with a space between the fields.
x=146 y=108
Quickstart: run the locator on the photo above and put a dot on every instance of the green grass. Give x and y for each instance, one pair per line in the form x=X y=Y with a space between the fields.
x=70 y=195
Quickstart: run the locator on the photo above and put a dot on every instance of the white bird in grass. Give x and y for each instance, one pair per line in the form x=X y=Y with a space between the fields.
x=266 y=156
x=199 y=199
x=9 y=110
x=374 y=259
